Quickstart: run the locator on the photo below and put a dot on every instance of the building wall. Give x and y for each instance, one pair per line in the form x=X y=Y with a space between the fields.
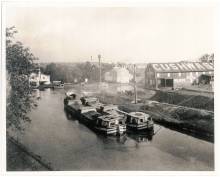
x=119 y=75
x=110 y=76
x=150 y=78
x=180 y=79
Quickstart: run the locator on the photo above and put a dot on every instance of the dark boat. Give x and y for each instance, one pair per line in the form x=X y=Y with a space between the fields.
x=136 y=121
x=112 y=111
x=139 y=121
x=108 y=125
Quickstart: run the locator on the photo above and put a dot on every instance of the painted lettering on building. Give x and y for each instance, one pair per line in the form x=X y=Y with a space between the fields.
x=182 y=67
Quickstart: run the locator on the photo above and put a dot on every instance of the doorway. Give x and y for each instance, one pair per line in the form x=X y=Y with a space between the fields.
x=166 y=82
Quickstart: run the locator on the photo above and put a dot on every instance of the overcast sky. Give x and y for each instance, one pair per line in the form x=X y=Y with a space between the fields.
x=128 y=34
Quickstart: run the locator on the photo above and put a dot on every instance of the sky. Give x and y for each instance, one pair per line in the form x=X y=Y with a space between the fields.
x=119 y=34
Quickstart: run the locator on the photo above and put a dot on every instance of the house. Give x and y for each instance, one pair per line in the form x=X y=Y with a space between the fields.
x=118 y=75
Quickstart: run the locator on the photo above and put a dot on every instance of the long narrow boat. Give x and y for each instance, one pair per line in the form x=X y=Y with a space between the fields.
x=136 y=121
x=86 y=112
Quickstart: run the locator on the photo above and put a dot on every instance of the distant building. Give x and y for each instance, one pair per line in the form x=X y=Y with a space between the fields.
x=174 y=75
x=118 y=75
x=38 y=78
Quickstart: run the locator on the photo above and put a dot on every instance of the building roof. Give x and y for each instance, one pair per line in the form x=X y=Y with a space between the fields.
x=182 y=67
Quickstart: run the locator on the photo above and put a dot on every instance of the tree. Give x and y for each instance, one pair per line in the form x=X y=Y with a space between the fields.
x=19 y=65
x=207 y=58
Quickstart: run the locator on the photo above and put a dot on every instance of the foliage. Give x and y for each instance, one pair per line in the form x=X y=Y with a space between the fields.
x=80 y=71
x=19 y=65
x=207 y=58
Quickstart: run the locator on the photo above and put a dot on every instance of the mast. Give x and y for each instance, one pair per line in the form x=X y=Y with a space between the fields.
x=100 y=72
x=135 y=88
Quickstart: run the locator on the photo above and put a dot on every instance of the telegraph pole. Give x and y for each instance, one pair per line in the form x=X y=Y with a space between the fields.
x=135 y=88
x=100 y=72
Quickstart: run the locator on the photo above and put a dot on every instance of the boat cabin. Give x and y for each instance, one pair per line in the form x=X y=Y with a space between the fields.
x=89 y=101
x=58 y=84
x=107 y=121
x=138 y=118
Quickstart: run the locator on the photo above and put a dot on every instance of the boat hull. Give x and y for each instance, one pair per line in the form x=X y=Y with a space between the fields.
x=106 y=131
x=141 y=127
x=90 y=122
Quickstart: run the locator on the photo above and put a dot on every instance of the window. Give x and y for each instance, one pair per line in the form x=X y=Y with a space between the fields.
x=168 y=74
x=111 y=124
x=180 y=74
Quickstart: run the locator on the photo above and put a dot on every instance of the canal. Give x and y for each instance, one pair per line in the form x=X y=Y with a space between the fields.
x=69 y=145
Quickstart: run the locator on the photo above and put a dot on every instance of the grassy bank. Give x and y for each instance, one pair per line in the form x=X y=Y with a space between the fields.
x=191 y=120
x=21 y=159
x=186 y=98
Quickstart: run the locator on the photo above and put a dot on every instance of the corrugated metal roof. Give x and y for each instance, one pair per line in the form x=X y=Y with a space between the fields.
x=182 y=67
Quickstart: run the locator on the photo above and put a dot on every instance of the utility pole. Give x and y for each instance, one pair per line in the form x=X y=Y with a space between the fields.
x=135 y=89
x=100 y=72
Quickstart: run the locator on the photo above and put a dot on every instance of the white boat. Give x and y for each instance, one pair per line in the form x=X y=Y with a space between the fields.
x=58 y=85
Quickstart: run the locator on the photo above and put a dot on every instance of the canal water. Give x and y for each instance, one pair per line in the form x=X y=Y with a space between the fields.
x=70 y=145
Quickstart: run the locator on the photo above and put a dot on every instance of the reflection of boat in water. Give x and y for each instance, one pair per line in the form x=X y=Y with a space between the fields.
x=110 y=141
x=141 y=137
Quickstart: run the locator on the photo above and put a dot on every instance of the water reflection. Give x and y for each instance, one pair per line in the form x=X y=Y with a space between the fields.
x=142 y=137
x=70 y=145
x=139 y=137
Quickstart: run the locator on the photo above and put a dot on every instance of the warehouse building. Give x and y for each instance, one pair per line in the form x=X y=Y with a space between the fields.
x=177 y=75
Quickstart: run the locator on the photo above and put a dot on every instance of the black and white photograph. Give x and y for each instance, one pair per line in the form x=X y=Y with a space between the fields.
x=102 y=87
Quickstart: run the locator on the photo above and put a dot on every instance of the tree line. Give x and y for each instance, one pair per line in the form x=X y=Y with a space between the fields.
x=19 y=65
x=75 y=73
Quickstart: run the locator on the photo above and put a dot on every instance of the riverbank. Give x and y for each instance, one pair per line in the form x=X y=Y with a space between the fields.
x=195 y=122
x=19 y=158
x=192 y=112
x=186 y=98
x=70 y=145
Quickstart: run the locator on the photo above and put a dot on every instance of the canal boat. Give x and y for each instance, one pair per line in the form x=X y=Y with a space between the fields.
x=139 y=121
x=88 y=115
x=90 y=101
x=109 y=125
x=70 y=98
x=112 y=111
x=58 y=84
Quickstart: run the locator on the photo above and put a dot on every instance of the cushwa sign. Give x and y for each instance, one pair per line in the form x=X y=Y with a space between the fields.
x=183 y=67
